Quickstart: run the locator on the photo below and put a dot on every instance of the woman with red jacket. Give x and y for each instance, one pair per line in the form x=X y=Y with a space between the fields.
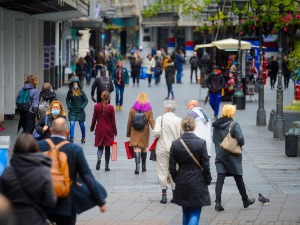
x=105 y=121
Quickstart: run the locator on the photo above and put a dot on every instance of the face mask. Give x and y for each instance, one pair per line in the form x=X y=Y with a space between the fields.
x=75 y=87
x=55 y=112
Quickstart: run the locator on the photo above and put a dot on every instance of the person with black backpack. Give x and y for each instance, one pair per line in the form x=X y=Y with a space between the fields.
x=27 y=102
x=140 y=117
x=102 y=83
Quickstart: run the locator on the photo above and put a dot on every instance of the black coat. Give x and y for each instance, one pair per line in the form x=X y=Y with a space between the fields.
x=102 y=83
x=191 y=183
x=33 y=174
x=170 y=73
x=77 y=165
x=273 y=69
x=215 y=82
x=41 y=123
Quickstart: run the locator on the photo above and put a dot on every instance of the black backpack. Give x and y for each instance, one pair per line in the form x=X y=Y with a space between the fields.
x=139 y=120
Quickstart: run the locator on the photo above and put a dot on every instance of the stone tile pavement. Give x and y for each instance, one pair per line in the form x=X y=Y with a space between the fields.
x=134 y=199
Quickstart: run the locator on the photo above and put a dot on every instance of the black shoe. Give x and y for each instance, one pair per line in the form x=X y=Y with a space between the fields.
x=163 y=199
x=82 y=140
x=248 y=202
x=219 y=207
x=107 y=168
x=98 y=164
x=173 y=200
x=71 y=140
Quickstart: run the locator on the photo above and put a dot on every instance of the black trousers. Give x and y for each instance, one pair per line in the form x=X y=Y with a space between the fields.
x=239 y=183
x=196 y=76
x=27 y=121
x=63 y=220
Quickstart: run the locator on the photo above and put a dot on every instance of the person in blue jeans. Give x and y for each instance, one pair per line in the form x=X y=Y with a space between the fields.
x=90 y=66
x=121 y=79
x=179 y=61
x=76 y=102
x=215 y=82
x=193 y=175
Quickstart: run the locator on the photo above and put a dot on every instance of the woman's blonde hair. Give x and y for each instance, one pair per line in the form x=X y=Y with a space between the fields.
x=105 y=96
x=31 y=79
x=188 y=123
x=142 y=98
x=228 y=111
x=62 y=111
x=46 y=86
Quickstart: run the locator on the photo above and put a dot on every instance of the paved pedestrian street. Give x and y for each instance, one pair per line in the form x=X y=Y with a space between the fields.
x=134 y=199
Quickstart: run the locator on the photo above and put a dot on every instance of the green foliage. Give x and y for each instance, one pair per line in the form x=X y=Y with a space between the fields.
x=293 y=60
x=292 y=107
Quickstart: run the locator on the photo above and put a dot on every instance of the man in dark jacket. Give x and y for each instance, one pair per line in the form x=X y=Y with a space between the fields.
x=90 y=66
x=194 y=61
x=179 y=61
x=102 y=83
x=273 y=70
x=65 y=210
x=215 y=82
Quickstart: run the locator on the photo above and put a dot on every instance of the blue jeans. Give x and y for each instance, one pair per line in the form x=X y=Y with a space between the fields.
x=178 y=76
x=191 y=216
x=170 y=90
x=72 y=129
x=214 y=101
x=89 y=75
x=119 y=94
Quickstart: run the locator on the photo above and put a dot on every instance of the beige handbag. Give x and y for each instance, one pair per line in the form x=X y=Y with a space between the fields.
x=230 y=144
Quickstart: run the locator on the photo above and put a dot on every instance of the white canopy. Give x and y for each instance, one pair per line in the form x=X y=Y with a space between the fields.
x=224 y=44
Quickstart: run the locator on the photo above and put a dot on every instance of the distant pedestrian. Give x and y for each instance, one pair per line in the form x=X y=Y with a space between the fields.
x=203 y=127
x=81 y=69
x=273 y=71
x=111 y=63
x=100 y=62
x=106 y=131
x=27 y=182
x=170 y=78
x=121 y=79
x=44 y=124
x=191 y=181
x=286 y=72
x=28 y=99
x=194 y=62
x=90 y=66
x=118 y=56
x=102 y=83
x=179 y=61
x=205 y=67
x=150 y=66
x=226 y=163
x=136 y=67
x=167 y=129
x=66 y=209
x=76 y=102
x=139 y=139
x=215 y=82
x=47 y=95
x=158 y=68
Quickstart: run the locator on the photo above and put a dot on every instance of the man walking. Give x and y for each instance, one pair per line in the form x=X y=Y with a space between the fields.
x=194 y=62
x=215 y=82
x=65 y=210
x=179 y=61
x=102 y=83
x=121 y=79
x=203 y=128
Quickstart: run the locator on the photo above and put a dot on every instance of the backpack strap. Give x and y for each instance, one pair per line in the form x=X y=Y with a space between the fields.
x=58 y=146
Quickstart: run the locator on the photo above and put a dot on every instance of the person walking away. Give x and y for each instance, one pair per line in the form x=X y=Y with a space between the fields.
x=27 y=102
x=136 y=66
x=203 y=127
x=81 y=69
x=167 y=129
x=139 y=139
x=90 y=66
x=226 y=163
x=179 y=61
x=121 y=79
x=158 y=68
x=118 y=56
x=215 y=82
x=191 y=179
x=194 y=62
x=170 y=78
x=205 y=67
x=47 y=95
x=100 y=62
x=150 y=65
x=106 y=130
x=273 y=70
x=102 y=83
x=286 y=72
x=27 y=182
x=54 y=111
x=76 y=102
x=65 y=210
x=111 y=64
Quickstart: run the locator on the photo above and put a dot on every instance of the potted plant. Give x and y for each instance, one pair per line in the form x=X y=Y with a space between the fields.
x=289 y=23
x=266 y=21
x=293 y=64
x=249 y=26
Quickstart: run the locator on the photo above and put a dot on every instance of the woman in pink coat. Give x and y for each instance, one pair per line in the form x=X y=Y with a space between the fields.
x=106 y=130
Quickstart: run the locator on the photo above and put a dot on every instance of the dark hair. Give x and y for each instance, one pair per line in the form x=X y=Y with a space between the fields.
x=25 y=143
x=170 y=61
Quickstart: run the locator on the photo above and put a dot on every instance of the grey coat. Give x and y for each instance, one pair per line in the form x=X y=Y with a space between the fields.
x=226 y=162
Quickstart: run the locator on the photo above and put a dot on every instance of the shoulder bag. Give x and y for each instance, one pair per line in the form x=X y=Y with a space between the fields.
x=152 y=148
x=230 y=144
x=191 y=154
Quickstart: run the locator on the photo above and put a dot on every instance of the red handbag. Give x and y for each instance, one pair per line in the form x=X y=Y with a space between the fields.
x=129 y=150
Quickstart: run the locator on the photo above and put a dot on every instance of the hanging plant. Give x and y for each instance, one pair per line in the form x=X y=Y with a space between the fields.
x=293 y=60
x=249 y=26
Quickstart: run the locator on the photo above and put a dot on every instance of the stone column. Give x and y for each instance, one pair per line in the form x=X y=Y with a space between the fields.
x=189 y=42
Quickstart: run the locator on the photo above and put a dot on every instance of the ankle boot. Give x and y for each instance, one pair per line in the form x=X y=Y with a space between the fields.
x=219 y=207
x=137 y=162
x=144 y=157
x=163 y=196
x=107 y=156
x=173 y=200
x=98 y=164
x=248 y=202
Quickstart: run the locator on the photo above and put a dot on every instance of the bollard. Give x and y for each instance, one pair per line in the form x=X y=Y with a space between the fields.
x=292 y=140
x=4 y=147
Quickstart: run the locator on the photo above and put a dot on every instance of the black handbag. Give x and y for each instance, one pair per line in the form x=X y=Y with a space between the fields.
x=153 y=155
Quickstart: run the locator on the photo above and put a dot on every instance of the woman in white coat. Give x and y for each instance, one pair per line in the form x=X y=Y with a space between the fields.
x=167 y=129
x=150 y=65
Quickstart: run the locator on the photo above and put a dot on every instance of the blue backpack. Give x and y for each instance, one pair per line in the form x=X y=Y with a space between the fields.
x=23 y=100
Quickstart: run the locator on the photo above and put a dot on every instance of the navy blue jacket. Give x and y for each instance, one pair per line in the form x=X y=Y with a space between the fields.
x=77 y=165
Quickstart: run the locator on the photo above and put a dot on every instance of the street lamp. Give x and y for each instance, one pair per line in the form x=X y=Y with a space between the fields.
x=238 y=97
